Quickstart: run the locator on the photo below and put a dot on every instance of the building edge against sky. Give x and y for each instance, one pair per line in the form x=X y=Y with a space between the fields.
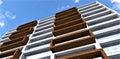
x=103 y=22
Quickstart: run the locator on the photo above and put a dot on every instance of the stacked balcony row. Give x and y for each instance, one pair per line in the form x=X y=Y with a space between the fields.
x=105 y=24
x=38 y=46
x=12 y=49
x=70 y=32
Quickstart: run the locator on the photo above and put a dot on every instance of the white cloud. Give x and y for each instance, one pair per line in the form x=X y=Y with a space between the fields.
x=116 y=4
x=5 y=15
x=76 y=1
x=115 y=1
x=63 y=8
x=1 y=2
x=2 y=24
x=10 y=15
x=67 y=6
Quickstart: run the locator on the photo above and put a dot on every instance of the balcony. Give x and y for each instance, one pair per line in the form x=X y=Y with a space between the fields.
x=14 y=43
x=74 y=39
x=15 y=54
x=21 y=30
x=91 y=54
x=17 y=35
x=69 y=29
x=70 y=14
x=67 y=19
x=66 y=12
x=75 y=21
x=30 y=24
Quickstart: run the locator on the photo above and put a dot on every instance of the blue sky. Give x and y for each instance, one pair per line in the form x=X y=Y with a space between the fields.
x=16 y=12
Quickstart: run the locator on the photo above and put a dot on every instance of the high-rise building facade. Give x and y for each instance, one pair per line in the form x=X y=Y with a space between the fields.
x=91 y=31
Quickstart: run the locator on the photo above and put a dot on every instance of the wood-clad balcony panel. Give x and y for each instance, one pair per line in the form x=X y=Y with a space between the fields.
x=22 y=30
x=69 y=15
x=15 y=54
x=76 y=21
x=73 y=35
x=91 y=54
x=17 y=35
x=69 y=29
x=67 y=19
x=30 y=24
x=14 y=43
x=72 y=40
x=65 y=12
x=72 y=44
